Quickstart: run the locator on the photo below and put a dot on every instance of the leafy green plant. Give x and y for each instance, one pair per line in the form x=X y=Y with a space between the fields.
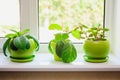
x=96 y=46
x=19 y=40
x=61 y=45
x=94 y=33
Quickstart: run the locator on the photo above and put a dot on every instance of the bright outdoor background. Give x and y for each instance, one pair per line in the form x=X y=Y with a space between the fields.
x=68 y=13
x=9 y=16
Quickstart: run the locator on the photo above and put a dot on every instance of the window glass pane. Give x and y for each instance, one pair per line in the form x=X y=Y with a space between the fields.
x=9 y=16
x=68 y=13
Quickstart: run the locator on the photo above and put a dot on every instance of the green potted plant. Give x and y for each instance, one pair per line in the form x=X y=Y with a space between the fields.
x=61 y=47
x=21 y=46
x=96 y=46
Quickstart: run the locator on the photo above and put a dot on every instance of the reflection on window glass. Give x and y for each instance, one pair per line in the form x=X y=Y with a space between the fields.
x=68 y=13
x=9 y=16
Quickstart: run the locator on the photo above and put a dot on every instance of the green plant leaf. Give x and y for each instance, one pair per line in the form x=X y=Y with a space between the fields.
x=10 y=35
x=69 y=53
x=66 y=29
x=93 y=28
x=5 y=45
x=13 y=30
x=27 y=43
x=35 y=40
x=59 y=48
x=17 y=33
x=61 y=36
x=24 y=31
x=12 y=46
x=105 y=29
x=90 y=30
x=90 y=35
x=21 y=42
x=52 y=46
x=55 y=27
x=76 y=34
x=18 y=43
x=84 y=26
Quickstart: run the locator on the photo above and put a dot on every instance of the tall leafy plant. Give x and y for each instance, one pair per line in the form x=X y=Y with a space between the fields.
x=61 y=45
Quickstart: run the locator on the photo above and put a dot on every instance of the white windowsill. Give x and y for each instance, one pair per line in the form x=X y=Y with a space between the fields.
x=45 y=62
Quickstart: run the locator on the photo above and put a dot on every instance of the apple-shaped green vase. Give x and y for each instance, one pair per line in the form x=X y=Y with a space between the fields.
x=96 y=51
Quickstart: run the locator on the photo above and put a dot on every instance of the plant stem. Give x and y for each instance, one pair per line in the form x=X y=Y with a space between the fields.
x=73 y=29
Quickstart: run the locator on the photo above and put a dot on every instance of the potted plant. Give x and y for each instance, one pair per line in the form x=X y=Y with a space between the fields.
x=21 y=46
x=61 y=47
x=96 y=46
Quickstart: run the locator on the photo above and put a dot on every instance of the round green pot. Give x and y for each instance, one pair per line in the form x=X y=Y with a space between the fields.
x=20 y=55
x=96 y=51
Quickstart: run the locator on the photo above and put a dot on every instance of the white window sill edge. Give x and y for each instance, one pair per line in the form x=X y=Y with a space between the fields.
x=45 y=62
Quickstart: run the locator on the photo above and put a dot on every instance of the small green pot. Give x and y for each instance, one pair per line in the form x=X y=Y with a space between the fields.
x=96 y=51
x=20 y=55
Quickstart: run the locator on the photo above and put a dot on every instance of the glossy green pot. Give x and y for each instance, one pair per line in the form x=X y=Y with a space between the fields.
x=20 y=55
x=96 y=51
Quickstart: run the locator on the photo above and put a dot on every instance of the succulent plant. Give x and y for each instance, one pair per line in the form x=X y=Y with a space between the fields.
x=19 y=40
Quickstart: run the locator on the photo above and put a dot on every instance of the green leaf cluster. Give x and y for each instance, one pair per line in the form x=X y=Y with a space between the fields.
x=55 y=27
x=19 y=40
x=95 y=33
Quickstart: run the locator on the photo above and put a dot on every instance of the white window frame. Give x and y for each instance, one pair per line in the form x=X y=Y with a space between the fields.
x=29 y=16
x=115 y=28
x=109 y=8
x=29 y=19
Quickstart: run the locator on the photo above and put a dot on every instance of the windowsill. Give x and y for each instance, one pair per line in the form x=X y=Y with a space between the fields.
x=45 y=62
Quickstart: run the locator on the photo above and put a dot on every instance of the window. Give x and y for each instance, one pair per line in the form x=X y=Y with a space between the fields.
x=9 y=16
x=26 y=11
x=68 y=13
x=29 y=19
x=29 y=12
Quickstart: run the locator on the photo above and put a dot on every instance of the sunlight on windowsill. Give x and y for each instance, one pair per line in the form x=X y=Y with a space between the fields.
x=45 y=62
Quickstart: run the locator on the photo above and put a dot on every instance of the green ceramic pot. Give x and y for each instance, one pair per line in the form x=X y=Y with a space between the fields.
x=96 y=51
x=20 y=55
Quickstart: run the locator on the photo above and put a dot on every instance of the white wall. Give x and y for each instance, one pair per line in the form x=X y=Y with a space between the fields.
x=116 y=28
